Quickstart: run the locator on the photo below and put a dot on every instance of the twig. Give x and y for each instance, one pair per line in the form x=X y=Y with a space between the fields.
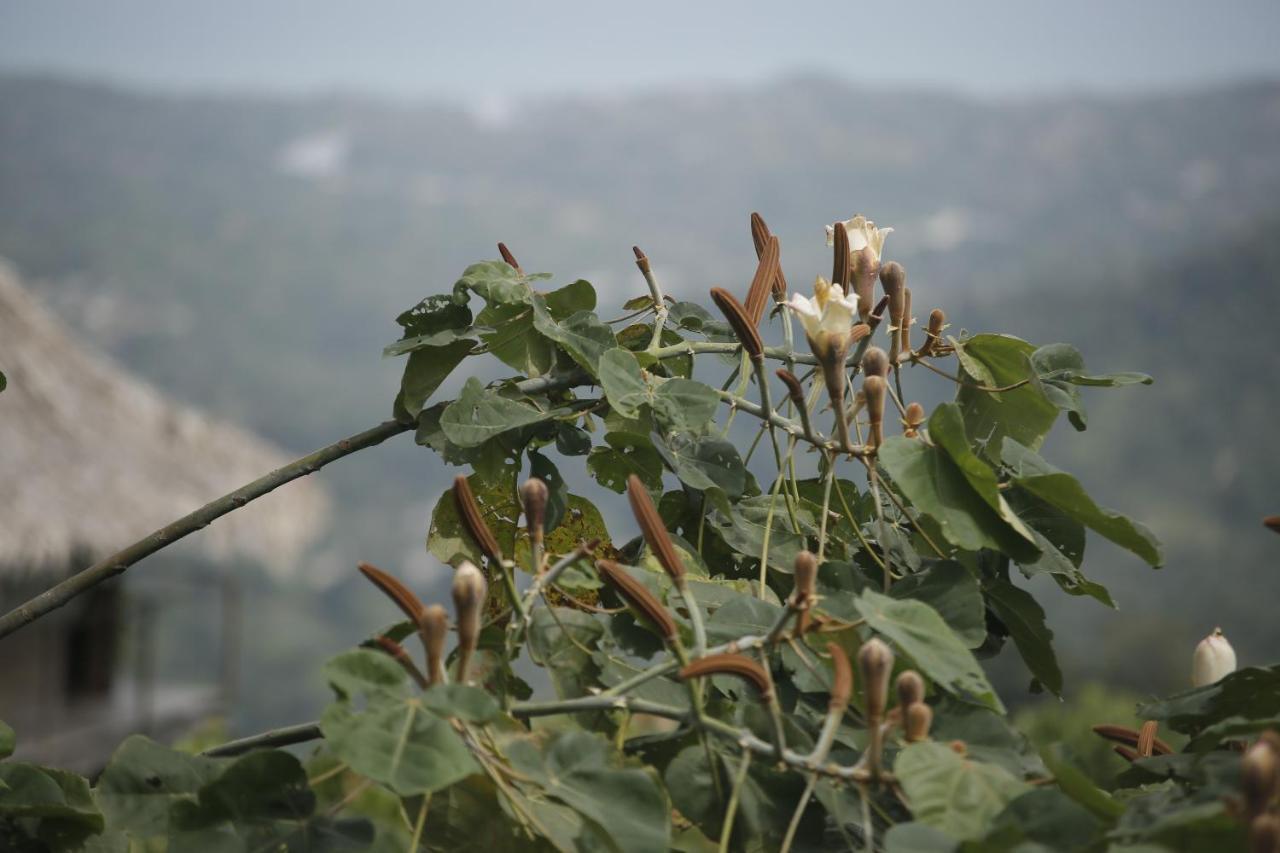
x=286 y=736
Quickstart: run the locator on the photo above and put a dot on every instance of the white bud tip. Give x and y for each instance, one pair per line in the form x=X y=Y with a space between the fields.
x=1214 y=659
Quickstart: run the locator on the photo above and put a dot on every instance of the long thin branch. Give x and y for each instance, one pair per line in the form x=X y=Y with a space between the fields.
x=105 y=569
x=285 y=736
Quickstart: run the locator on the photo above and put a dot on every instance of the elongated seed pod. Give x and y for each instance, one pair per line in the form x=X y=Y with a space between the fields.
x=893 y=279
x=435 y=629
x=913 y=420
x=904 y=327
x=1147 y=738
x=1128 y=736
x=933 y=333
x=1125 y=752
x=873 y=387
x=1264 y=834
x=875 y=362
x=875 y=662
x=841 y=679
x=1258 y=780
x=654 y=531
x=742 y=326
x=393 y=589
x=638 y=597
x=533 y=495
x=762 y=283
x=910 y=688
x=760 y=235
x=469 y=591
x=841 y=273
x=794 y=389
x=509 y=258
x=730 y=664
x=397 y=651
x=878 y=313
x=1272 y=522
x=917 y=721
x=473 y=519
x=642 y=260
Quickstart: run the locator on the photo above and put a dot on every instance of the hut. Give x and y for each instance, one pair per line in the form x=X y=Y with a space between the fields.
x=92 y=459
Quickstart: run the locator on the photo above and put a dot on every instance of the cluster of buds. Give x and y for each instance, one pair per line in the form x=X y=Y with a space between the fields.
x=912 y=713
x=432 y=622
x=1259 y=785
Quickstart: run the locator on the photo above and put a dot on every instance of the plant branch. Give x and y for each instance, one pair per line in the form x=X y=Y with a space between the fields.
x=285 y=736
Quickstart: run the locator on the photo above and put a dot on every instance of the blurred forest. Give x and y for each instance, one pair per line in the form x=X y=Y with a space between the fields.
x=249 y=255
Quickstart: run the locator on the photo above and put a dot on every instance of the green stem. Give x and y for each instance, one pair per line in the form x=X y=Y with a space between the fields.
x=790 y=837
x=739 y=779
x=285 y=736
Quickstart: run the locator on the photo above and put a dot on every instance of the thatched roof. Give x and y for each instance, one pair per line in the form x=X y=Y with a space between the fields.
x=92 y=458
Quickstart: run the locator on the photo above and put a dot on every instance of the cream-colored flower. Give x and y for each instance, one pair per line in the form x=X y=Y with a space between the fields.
x=1214 y=660
x=863 y=233
x=828 y=313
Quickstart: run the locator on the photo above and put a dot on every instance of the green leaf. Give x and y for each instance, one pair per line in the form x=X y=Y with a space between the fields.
x=426 y=369
x=740 y=616
x=1252 y=692
x=623 y=383
x=1063 y=491
x=685 y=405
x=1072 y=782
x=1050 y=363
x=265 y=785
x=358 y=671
x=923 y=636
x=1023 y=413
x=946 y=429
x=952 y=590
x=462 y=701
x=625 y=454
x=496 y=282
x=582 y=335
x=561 y=640
x=4 y=383
x=399 y=743
x=7 y=739
x=935 y=486
x=748 y=521
x=1024 y=618
x=144 y=780
x=951 y=793
x=708 y=464
x=1044 y=816
x=479 y=414
x=626 y=804
x=439 y=314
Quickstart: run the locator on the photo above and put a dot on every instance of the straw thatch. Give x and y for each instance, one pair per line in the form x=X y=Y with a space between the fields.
x=92 y=458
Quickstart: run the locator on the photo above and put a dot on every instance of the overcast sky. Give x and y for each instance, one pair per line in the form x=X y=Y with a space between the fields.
x=477 y=49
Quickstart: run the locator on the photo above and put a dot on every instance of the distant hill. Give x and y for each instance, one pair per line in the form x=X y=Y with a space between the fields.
x=249 y=254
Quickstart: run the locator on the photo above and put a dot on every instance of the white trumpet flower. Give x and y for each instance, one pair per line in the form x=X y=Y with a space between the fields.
x=1214 y=660
x=827 y=318
x=863 y=234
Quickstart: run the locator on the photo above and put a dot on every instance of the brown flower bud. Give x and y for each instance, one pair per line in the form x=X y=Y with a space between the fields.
x=910 y=688
x=1126 y=753
x=435 y=629
x=1264 y=834
x=893 y=278
x=730 y=664
x=805 y=576
x=1147 y=738
x=917 y=721
x=655 y=532
x=762 y=283
x=642 y=260
x=933 y=334
x=841 y=273
x=741 y=324
x=509 y=258
x=393 y=589
x=878 y=313
x=1128 y=736
x=794 y=389
x=396 y=651
x=1272 y=522
x=469 y=591
x=841 y=679
x=533 y=494
x=865 y=267
x=874 y=388
x=959 y=747
x=875 y=362
x=1258 y=779
x=875 y=662
x=760 y=237
x=473 y=519
x=638 y=597
x=913 y=420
